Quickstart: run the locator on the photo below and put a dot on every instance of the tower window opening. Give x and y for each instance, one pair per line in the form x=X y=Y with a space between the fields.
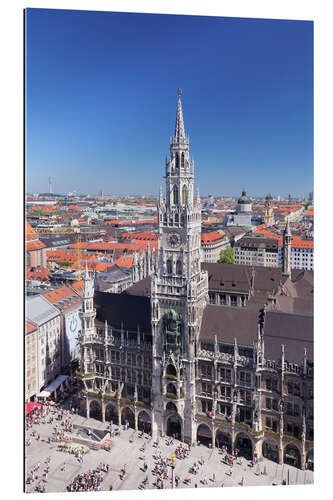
x=169 y=266
x=183 y=160
x=175 y=195
x=177 y=161
x=179 y=267
x=184 y=195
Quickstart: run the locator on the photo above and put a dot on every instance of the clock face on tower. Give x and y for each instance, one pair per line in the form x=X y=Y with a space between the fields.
x=174 y=240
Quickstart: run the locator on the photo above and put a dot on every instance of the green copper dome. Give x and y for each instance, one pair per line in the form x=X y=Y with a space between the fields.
x=244 y=200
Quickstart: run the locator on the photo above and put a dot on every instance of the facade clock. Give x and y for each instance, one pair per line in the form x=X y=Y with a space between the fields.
x=174 y=240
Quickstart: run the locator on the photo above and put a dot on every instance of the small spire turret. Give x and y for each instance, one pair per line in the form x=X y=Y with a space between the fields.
x=179 y=136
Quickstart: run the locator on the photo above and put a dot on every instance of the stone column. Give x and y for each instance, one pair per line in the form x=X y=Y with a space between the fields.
x=119 y=413
x=213 y=435
x=135 y=419
x=87 y=408
x=103 y=411
x=258 y=448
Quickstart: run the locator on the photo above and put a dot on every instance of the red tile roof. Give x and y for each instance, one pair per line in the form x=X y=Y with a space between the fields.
x=34 y=245
x=124 y=261
x=78 y=287
x=63 y=297
x=30 y=233
x=29 y=326
x=37 y=273
x=212 y=237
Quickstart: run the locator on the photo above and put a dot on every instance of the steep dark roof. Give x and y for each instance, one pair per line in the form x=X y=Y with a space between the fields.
x=295 y=331
x=254 y=242
x=118 y=309
x=222 y=276
x=141 y=288
x=230 y=322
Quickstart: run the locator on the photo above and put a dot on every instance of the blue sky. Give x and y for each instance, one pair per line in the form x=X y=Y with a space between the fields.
x=101 y=98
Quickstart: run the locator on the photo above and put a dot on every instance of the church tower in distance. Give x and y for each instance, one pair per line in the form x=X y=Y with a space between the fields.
x=179 y=293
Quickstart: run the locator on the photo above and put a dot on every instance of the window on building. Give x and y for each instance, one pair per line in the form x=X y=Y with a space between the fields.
x=245 y=378
x=225 y=392
x=177 y=160
x=225 y=374
x=223 y=299
x=206 y=388
x=270 y=423
x=244 y=396
x=225 y=410
x=179 y=269
x=184 y=195
x=206 y=371
x=169 y=266
x=206 y=405
x=175 y=195
x=233 y=300
x=271 y=384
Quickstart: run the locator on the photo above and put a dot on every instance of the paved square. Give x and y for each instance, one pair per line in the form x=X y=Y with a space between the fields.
x=131 y=449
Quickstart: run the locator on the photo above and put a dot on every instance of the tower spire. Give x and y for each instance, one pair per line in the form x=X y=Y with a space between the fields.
x=286 y=264
x=179 y=128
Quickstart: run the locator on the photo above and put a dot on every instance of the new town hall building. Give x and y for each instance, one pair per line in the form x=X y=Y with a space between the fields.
x=216 y=353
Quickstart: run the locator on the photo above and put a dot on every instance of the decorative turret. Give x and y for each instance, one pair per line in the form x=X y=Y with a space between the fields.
x=269 y=215
x=179 y=136
x=286 y=265
x=87 y=315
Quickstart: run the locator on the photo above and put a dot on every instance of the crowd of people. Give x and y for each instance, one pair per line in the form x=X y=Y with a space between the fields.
x=78 y=451
x=39 y=472
x=88 y=481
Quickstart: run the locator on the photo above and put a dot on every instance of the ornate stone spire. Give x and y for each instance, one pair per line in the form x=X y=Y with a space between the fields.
x=287 y=229
x=179 y=135
x=161 y=199
x=286 y=264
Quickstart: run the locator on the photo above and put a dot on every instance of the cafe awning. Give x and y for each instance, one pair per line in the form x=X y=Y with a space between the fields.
x=53 y=386
x=29 y=407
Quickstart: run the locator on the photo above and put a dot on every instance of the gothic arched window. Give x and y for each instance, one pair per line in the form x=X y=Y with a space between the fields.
x=169 y=266
x=177 y=161
x=175 y=195
x=184 y=195
x=183 y=160
x=179 y=267
x=176 y=218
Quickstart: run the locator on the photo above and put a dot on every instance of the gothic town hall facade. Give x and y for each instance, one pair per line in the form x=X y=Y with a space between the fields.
x=212 y=353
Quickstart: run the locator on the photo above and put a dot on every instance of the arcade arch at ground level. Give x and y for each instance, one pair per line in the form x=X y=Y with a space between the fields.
x=223 y=439
x=128 y=417
x=144 y=422
x=111 y=413
x=292 y=455
x=244 y=445
x=204 y=434
x=173 y=425
x=95 y=409
x=270 y=449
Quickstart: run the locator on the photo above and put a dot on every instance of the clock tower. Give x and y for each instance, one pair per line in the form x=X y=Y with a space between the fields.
x=179 y=292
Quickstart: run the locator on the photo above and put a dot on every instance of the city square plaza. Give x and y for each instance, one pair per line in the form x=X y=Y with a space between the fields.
x=129 y=451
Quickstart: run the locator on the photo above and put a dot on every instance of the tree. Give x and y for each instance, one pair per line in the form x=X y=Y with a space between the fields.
x=227 y=256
